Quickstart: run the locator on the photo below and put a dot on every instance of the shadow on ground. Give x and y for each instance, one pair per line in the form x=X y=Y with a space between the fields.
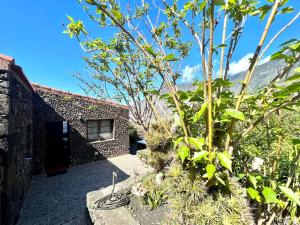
x=61 y=199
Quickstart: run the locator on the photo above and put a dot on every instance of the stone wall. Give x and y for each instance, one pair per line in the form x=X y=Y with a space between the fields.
x=53 y=105
x=24 y=112
x=15 y=140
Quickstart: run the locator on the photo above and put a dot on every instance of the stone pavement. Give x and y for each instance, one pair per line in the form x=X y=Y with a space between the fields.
x=61 y=199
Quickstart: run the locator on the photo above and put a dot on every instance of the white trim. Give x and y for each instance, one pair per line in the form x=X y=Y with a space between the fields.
x=94 y=142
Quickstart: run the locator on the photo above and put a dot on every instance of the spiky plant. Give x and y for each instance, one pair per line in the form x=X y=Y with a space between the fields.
x=192 y=203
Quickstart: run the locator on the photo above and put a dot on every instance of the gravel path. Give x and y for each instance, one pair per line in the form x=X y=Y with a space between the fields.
x=144 y=215
x=61 y=199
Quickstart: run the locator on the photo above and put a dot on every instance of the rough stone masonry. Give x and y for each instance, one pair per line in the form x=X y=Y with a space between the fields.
x=15 y=139
x=24 y=110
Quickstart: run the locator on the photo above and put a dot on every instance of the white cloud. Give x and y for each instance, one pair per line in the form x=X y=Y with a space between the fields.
x=189 y=73
x=241 y=65
x=264 y=60
x=244 y=63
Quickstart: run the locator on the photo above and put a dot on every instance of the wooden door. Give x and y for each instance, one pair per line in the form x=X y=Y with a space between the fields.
x=57 y=147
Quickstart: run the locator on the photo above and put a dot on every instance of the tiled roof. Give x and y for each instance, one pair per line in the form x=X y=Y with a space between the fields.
x=38 y=87
x=7 y=63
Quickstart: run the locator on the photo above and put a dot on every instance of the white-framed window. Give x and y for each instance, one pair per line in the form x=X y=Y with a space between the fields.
x=98 y=130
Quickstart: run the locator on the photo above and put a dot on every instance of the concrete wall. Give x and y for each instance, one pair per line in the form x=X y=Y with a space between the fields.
x=53 y=105
x=15 y=140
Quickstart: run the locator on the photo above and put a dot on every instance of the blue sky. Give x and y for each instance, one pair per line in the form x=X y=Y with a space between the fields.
x=31 y=32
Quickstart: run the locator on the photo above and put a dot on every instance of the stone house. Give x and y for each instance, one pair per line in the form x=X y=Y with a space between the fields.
x=44 y=131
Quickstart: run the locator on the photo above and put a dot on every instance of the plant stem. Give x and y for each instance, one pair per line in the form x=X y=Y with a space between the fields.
x=261 y=118
x=203 y=55
x=277 y=34
x=288 y=183
x=160 y=68
x=223 y=41
x=293 y=169
x=250 y=71
x=209 y=82
x=157 y=116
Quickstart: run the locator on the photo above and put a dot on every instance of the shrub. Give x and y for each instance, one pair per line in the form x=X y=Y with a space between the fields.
x=192 y=203
x=155 y=195
x=157 y=139
x=133 y=133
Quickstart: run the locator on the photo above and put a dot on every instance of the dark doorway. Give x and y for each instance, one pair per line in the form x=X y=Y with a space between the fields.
x=57 y=147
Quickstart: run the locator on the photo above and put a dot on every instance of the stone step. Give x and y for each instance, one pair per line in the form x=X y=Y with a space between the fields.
x=119 y=216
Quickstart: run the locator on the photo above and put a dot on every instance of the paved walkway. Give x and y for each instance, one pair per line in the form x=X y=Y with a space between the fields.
x=61 y=199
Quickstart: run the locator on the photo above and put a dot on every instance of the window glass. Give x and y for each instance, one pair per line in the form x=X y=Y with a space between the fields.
x=92 y=130
x=100 y=130
x=65 y=127
x=105 y=129
x=105 y=123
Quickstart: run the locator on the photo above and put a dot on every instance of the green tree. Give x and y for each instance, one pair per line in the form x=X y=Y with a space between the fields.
x=149 y=42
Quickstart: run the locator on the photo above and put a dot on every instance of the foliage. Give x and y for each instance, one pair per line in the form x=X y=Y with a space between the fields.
x=67 y=98
x=133 y=133
x=272 y=142
x=193 y=203
x=157 y=139
x=157 y=160
x=160 y=146
x=155 y=195
x=146 y=51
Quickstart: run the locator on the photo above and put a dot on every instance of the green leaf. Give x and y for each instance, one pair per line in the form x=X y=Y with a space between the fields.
x=290 y=89
x=200 y=113
x=222 y=83
x=199 y=155
x=287 y=10
x=210 y=169
x=241 y=176
x=221 y=46
x=235 y=114
x=220 y=180
x=91 y=2
x=290 y=194
x=288 y=42
x=152 y=92
x=202 y=5
x=296 y=142
x=170 y=57
x=197 y=142
x=295 y=46
x=269 y=195
x=164 y=96
x=294 y=77
x=188 y=6
x=264 y=11
x=225 y=160
x=254 y=194
x=183 y=152
x=117 y=14
x=277 y=55
x=253 y=181
x=71 y=19
x=150 y=51
x=219 y=2
x=177 y=141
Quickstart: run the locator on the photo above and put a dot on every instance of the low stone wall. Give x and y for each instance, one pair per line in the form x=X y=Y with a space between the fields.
x=53 y=105
x=15 y=141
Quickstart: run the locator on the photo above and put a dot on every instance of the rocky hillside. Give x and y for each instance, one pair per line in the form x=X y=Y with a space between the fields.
x=262 y=75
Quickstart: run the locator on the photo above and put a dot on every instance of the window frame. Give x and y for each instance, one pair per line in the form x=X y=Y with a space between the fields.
x=98 y=122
